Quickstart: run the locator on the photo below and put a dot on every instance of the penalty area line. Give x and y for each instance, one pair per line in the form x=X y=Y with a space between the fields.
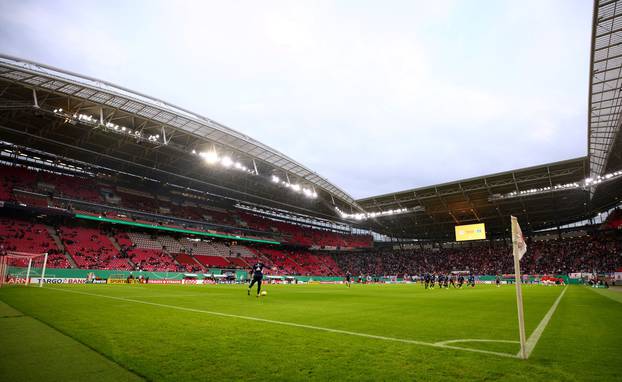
x=291 y=324
x=533 y=339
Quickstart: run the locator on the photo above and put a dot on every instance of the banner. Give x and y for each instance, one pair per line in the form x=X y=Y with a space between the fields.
x=151 y=281
x=16 y=280
x=57 y=280
x=192 y=282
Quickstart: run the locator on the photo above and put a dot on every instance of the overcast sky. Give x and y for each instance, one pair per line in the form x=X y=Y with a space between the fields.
x=377 y=96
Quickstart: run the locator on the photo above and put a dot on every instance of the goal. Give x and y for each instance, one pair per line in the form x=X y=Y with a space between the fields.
x=17 y=267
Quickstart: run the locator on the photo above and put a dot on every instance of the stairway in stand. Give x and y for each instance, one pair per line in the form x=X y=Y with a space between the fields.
x=59 y=244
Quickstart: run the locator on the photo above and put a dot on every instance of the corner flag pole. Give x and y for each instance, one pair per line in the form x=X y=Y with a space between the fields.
x=518 y=249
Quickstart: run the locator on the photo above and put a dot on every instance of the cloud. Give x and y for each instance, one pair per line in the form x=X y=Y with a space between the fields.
x=376 y=97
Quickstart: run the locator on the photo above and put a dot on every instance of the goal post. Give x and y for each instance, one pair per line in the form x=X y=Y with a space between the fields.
x=12 y=266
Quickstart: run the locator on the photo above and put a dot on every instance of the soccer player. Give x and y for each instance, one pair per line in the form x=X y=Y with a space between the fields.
x=471 y=281
x=257 y=277
x=432 y=280
x=426 y=280
x=452 y=280
x=348 y=279
x=498 y=281
x=460 y=281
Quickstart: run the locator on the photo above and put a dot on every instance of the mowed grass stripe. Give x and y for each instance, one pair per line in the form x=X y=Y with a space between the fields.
x=291 y=324
x=31 y=351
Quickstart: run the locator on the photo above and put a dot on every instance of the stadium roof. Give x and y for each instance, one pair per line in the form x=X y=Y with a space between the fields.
x=181 y=129
x=433 y=210
x=605 y=99
x=481 y=200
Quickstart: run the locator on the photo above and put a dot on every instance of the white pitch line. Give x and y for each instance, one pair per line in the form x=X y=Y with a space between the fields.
x=475 y=340
x=292 y=324
x=533 y=339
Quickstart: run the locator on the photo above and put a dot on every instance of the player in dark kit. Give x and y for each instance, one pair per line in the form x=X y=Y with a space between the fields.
x=498 y=281
x=257 y=277
x=348 y=278
x=452 y=280
x=460 y=281
x=426 y=280
x=432 y=280
x=471 y=281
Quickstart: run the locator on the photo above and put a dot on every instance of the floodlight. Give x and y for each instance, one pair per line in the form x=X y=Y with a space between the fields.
x=210 y=157
x=226 y=161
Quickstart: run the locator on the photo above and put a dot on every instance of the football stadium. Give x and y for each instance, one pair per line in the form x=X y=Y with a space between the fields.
x=140 y=240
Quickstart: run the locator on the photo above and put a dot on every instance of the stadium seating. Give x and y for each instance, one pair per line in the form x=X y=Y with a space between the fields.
x=213 y=261
x=91 y=249
x=153 y=260
x=238 y=262
x=171 y=245
x=189 y=263
x=88 y=189
x=17 y=235
x=283 y=263
x=31 y=200
x=141 y=240
x=559 y=256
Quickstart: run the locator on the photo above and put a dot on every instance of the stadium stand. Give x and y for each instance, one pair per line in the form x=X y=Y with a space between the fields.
x=171 y=245
x=560 y=256
x=213 y=261
x=153 y=260
x=141 y=240
x=614 y=220
x=189 y=263
x=16 y=180
x=91 y=249
x=22 y=236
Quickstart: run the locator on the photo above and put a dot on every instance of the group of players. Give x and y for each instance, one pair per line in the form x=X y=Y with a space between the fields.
x=445 y=281
x=430 y=280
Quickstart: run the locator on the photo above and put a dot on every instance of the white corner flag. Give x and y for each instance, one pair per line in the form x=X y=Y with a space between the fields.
x=519 y=247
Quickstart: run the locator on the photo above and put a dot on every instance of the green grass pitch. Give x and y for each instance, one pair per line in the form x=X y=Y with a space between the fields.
x=305 y=332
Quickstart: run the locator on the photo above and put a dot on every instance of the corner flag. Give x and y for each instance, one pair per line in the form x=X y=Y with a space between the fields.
x=518 y=241
x=519 y=247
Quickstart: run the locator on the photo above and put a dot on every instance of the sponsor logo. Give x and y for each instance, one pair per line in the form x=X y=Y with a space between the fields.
x=58 y=280
x=151 y=281
x=16 y=280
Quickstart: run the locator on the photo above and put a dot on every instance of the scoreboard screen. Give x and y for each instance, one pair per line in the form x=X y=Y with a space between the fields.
x=470 y=232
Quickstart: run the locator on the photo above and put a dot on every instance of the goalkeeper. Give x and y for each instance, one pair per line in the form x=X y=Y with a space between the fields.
x=257 y=276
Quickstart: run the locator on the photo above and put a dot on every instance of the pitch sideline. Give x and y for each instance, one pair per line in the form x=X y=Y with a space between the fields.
x=292 y=324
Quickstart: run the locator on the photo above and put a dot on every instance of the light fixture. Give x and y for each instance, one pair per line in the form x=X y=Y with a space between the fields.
x=210 y=157
x=226 y=161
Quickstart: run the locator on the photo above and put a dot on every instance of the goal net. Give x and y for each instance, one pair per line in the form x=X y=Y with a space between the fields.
x=19 y=267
